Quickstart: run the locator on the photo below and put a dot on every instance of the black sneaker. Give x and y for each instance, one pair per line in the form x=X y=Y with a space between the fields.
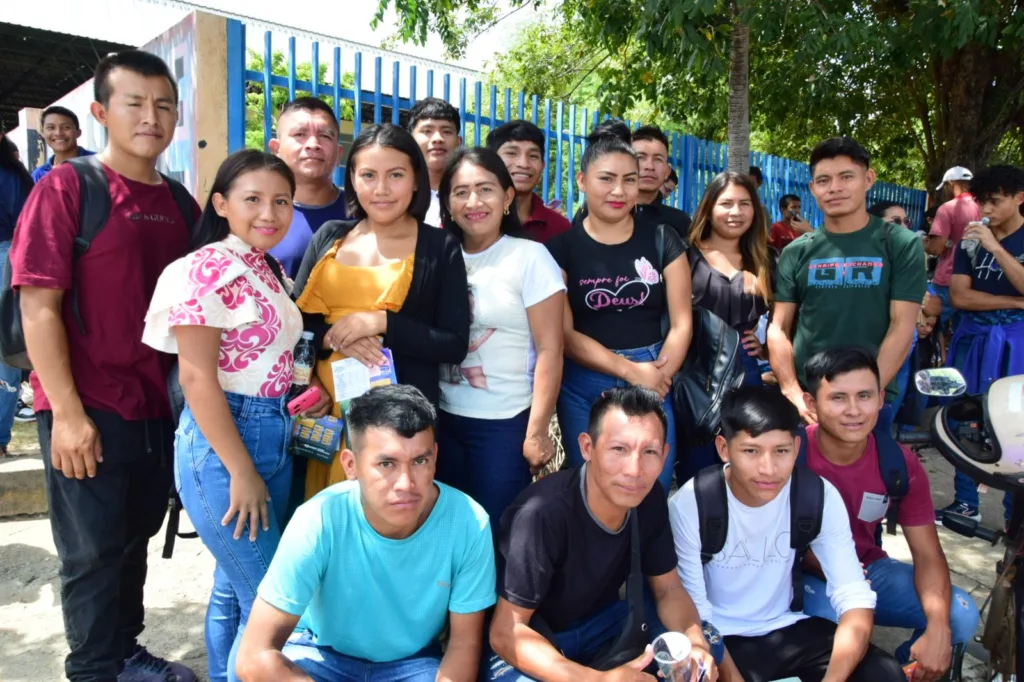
x=145 y=667
x=960 y=508
x=24 y=414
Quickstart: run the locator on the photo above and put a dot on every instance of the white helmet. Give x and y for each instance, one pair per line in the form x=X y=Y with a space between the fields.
x=983 y=436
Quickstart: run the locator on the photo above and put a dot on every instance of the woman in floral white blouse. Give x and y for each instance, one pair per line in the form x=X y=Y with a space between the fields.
x=226 y=311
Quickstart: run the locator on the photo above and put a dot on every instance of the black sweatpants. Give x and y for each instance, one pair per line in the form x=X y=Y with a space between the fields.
x=101 y=527
x=803 y=650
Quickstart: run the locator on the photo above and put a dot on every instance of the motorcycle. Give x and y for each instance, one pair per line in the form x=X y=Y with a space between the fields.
x=983 y=436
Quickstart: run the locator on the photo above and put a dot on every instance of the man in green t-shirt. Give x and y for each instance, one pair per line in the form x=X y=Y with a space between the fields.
x=858 y=280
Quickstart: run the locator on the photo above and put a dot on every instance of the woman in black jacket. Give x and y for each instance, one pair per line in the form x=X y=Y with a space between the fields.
x=384 y=279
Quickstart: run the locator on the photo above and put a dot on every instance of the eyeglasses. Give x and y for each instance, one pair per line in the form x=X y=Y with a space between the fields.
x=903 y=222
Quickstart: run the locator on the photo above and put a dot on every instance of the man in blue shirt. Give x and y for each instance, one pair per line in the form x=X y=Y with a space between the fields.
x=308 y=141
x=61 y=132
x=370 y=569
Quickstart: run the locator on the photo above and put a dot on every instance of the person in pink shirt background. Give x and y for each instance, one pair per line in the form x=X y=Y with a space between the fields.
x=947 y=230
x=844 y=391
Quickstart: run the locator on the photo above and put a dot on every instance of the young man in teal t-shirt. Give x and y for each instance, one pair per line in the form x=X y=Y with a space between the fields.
x=369 y=571
x=856 y=281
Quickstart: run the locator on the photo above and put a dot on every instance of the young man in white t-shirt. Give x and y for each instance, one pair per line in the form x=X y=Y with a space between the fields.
x=747 y=588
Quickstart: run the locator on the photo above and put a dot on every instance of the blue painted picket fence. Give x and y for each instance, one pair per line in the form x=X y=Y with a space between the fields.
x=565 y=126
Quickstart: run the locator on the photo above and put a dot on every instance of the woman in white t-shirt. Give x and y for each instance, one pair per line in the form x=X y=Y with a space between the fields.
x=226 y=310
x=497 y=404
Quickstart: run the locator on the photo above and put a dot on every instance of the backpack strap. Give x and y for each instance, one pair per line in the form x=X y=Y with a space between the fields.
x=93 y=213
x=806 y=507
x=186 y=203
x=659 y=248
x=275 y=267
x=712 y=510
x=893 y=466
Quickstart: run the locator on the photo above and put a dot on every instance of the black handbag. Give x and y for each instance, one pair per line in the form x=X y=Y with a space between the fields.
x=713 y=366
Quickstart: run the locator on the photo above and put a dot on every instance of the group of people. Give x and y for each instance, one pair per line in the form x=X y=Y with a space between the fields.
x=425 y=549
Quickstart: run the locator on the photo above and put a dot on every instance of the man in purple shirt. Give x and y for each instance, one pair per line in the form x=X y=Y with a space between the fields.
x=307 y=140
x=520 y=144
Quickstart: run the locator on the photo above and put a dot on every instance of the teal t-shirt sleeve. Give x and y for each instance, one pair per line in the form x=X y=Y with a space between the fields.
x=474 y=587
x=298 y=566
x=909 y=271
x=786 y=273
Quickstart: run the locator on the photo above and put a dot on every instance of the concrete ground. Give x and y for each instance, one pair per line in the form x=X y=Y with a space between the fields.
x=32 y=645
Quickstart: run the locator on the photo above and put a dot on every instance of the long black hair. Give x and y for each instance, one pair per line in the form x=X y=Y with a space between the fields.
x=212 y=227
x=399 y=139
x=490 y=162
x=10 y=163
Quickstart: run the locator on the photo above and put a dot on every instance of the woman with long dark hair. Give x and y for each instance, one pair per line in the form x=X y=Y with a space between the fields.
x=628 y=316
x=15 y=185
x=731 y=271
x=227 y=312
x=383 y=279
x=496 y=406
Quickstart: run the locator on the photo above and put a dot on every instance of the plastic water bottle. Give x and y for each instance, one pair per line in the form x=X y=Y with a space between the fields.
x=303 y=364
x=970 y=246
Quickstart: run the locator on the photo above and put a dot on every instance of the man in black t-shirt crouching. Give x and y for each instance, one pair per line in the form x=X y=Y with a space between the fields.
x=566 y=547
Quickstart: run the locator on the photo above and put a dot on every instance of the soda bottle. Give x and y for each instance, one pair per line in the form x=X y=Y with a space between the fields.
x=303 y=364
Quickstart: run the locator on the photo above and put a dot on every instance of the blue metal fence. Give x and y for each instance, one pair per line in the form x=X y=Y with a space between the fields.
x=565 y=126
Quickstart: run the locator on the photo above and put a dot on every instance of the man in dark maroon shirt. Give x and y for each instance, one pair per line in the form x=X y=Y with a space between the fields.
x=520 y=144
x=101 y=395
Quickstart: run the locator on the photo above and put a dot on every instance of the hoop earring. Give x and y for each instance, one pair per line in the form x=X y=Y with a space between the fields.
x=506 y=210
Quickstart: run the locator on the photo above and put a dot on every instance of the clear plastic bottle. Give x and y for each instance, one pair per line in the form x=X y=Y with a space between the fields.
x=970 y=246
x=304 y=363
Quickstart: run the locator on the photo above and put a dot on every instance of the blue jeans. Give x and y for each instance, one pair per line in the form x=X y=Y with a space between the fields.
x=10 y=377
x=898 y=604
x=581 y=387
x=583 y=641
x=484 y=459
x=324 y=664
x=693 y=457
x=204 y=483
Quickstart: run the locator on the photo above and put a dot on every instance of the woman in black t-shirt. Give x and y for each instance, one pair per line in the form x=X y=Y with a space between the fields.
x=620 y=284
x=731 y=272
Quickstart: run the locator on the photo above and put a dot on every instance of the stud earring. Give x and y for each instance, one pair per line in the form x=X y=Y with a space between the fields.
x=506 y=210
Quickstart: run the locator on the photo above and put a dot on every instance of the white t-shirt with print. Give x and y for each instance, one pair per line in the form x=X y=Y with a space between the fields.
x=495 y=381
x=746 y=589
x=433 y=217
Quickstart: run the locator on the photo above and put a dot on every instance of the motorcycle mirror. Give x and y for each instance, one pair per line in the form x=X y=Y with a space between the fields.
x=942 y=382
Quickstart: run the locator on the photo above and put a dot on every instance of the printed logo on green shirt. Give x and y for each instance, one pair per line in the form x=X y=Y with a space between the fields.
x=844 y=273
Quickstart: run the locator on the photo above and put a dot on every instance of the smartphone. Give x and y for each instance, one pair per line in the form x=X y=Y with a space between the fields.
x=303 y=402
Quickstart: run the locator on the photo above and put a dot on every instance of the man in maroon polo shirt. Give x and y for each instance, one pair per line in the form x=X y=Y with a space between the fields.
x=520 y=144
x=104 y=417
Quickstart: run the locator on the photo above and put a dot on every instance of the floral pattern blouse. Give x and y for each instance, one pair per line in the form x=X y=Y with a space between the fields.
x=229 y=285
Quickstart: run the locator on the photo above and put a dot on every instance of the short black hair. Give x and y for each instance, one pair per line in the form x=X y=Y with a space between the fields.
x=394 y=137
x=995 y=180
x=651 y=133
x=826 y=365
x=757 y=410
x=613 y=127
x=840 y=146
x=879 y=208
x=59 y=111
x=137 y=61
x=310 y=104
x=436 y=109
x=785 y=199
x=489 y=160
x=756 y=173
x=515 y=131
x=672 y=176
x=398 y=407
x=634 y=401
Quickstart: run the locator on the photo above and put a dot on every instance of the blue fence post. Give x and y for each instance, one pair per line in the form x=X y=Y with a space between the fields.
x=534 y=101
x=336 y=89
x=494 y=109
x=430 y=82
x=463 y=109
x=378 y=96
x=357 y=104
x=547 y=149
x=316 y=69
x=560 y=108
x=412 y=86
x=235 y=40
x=268 y=90
x=522 y=105
x=291 y=68
x=570 y=185
x=395 y=97
x=447 y=91
x=478 y=90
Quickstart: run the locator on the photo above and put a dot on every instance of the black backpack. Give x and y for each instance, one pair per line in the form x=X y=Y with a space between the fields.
x=712 y=367
x=806 y=507
x=94 y=210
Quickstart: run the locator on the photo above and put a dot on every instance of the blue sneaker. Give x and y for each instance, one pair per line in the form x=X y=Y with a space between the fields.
x=960 y=508
x=145 y=667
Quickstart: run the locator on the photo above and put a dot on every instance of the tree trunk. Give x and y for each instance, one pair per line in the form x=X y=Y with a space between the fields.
x=739 y=95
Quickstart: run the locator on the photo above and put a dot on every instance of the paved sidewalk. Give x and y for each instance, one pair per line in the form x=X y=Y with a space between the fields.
x=32 y=644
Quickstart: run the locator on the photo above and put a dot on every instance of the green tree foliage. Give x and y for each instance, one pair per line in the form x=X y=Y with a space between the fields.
x=254 y=99
x=926 y=84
